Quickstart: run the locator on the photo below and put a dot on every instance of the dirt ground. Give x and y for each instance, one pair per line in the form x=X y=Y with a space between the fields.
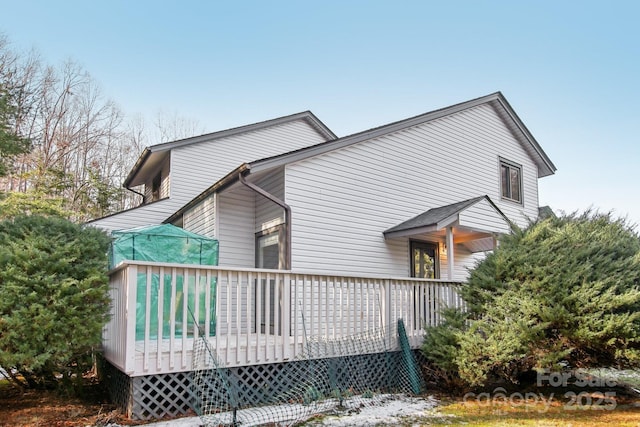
x=45 y=408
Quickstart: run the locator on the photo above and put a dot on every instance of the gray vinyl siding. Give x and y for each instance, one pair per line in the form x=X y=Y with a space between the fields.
x=343 y=200
x=239 y=215
x=236 y=221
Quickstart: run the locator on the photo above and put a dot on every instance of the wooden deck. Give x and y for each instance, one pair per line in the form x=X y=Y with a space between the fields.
x=253 y=316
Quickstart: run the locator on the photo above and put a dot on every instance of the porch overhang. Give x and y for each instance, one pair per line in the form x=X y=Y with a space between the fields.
x=475 y=218
x=474 y=223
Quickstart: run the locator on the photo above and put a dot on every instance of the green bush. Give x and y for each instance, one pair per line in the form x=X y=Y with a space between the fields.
x=564 y=291
x=53 y=299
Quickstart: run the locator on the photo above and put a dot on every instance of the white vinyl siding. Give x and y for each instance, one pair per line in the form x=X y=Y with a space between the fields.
x=236 y=221
x=482 y=216
x=268 y=213
x=464 y=260
x=164 y=172
x=196 y=167
x=149 y=214
x=399 y=254
x=201 y=219
x=343 y=200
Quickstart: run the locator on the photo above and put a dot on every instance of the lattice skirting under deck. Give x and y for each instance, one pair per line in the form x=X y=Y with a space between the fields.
x=169 y=395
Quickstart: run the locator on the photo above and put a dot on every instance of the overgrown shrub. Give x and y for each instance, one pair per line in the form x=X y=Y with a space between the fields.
x=440 y=347
x=564 y=291
x=53 y=299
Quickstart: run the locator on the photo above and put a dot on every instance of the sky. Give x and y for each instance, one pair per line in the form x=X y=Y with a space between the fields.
x=570 y=69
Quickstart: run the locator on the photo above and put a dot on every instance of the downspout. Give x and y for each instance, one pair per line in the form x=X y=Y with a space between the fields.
x=144 y=198
x=287 y=217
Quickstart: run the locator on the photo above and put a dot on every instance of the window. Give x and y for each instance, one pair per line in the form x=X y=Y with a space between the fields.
x=269 y=250
x=424 y=264
x=155 y=187
x=511 y=181
x=268 y=293
x=424 y=261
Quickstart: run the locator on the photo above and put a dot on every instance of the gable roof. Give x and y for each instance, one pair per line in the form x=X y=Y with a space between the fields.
x=153 y=155
x=497 y=100
x=545 y=165
x=433 y=216
x=438 y=218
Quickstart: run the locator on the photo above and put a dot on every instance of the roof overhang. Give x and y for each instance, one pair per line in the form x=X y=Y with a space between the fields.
x=152 y=156
x=226 y=181
x=522 y=134
x=496 y=100
x=148 y=162
x=475 y=224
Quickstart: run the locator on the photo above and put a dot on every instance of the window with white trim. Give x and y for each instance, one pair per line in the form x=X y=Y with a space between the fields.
x=511 y=180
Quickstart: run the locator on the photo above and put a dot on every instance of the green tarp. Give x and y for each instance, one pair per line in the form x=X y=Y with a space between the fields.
x=167 y=243
x=163 y=243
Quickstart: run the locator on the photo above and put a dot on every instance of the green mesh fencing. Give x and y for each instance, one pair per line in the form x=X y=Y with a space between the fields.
x=167 y=243
x=337 y=375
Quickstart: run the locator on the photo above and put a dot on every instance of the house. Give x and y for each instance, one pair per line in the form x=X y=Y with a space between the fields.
x=319 y=235
x=173 y=173
x=369 y=203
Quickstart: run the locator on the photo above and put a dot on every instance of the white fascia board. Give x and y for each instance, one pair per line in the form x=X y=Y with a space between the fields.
x=411 y=232
x=451 y=220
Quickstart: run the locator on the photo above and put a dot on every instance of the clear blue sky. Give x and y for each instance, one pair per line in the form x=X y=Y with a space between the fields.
x=570 y=69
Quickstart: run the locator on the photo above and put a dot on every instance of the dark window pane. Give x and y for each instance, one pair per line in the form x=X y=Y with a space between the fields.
x=428 y=265
x=416 y=262
x=269 y=251
x=515 y=184
x=424 y=260
x=505 y=181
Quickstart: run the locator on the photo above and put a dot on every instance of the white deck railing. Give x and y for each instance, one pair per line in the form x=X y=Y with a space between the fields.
x=253 y=316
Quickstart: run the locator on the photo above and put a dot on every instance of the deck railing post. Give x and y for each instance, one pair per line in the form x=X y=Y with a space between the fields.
x=130 y=340
x=387 y=309
x=286 y=316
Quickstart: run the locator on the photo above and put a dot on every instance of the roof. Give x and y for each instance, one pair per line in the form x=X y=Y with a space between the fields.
x=434 y=216
x=154 y=154
x=545 y=166
x=437 y=219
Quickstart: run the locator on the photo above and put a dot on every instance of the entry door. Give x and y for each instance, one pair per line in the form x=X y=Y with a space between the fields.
x=424 y=261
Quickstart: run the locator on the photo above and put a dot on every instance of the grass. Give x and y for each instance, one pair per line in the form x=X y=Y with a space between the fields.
x=533 y=413
x=572 y=406
x=568 y=407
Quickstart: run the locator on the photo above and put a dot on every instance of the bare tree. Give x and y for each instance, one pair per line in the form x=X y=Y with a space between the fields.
x=82 y=146
x=172 y=126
